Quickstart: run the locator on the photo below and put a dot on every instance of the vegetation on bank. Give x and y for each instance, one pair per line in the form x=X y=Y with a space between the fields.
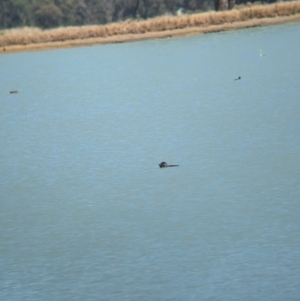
x=35 y=35
x=56 y=13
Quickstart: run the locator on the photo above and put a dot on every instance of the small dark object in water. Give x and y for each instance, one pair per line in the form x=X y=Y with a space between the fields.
x=13 y=91
x=238 y=78
x=164 y=164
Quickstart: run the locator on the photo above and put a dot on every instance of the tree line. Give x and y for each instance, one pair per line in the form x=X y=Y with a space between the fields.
x=54 y=13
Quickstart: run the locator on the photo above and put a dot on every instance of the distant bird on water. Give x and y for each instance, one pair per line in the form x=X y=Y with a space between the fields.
x=238 y=78
x=164 y=164
x=14 y=92
x=261 y=54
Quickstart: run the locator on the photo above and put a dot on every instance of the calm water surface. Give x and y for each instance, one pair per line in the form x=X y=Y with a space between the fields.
x=86 y=213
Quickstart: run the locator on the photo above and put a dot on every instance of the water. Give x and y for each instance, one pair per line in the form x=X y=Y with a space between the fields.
x=86 y=213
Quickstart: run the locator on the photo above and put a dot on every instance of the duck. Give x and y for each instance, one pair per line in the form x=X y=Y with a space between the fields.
x=238 y=78
x=14 y=91
x=164 y=164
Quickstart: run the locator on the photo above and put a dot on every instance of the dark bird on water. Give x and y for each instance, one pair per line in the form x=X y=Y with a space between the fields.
x=164 y=164
x=238 y=78
x=13 y=91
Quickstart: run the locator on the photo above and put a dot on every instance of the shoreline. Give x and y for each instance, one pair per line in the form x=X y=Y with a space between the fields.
x=133 y=37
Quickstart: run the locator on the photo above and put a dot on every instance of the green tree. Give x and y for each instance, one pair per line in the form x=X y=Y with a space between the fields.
x=48 y=15
x=96 y=11
x=14 y=13
x=125 y=9
x=68 y=9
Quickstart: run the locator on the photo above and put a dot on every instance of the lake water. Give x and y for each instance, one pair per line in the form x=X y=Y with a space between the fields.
x=87 y=214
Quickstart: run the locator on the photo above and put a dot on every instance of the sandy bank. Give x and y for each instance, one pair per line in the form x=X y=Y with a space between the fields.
x=131 y=37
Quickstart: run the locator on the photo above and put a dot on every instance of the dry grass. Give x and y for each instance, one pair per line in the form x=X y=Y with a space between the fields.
x=25 y=36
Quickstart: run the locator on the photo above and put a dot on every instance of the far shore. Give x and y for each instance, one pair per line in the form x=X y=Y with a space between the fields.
x=152 y=34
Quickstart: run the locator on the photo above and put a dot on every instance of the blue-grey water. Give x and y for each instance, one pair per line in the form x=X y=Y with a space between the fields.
x=87 y=214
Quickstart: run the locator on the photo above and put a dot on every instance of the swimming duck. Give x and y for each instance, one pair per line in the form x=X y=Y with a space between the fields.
x=164 y=164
